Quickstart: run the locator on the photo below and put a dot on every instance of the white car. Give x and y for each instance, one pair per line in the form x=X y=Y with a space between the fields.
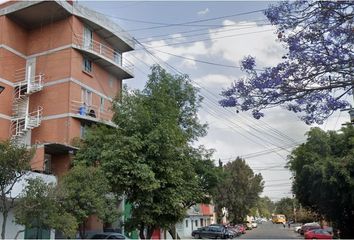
x=254 y=224
x=297 y=229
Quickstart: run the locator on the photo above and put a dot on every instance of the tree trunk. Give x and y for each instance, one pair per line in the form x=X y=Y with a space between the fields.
x=141 y=232
x=82 y=230
x=18 y=233
x=173 y=232
x=4 y=220
x=150 y=231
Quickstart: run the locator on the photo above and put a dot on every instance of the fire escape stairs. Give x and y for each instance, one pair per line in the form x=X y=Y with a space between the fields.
x=22 y=120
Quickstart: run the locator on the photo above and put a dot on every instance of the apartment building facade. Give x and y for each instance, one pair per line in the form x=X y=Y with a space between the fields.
x=61 y=65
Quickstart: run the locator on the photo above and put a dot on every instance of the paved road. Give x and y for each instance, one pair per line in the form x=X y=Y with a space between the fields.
x=268 y=230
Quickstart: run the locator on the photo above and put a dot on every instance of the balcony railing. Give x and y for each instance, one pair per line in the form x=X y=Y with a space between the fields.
x=104 y=51
x=91 y=112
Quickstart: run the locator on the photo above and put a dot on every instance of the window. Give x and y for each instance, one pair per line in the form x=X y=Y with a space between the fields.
x=201 y=222
x=86 y=97
x=102 y=104
x=87 y=39
x=87 y=65
x=196 y=223
x=186 y=223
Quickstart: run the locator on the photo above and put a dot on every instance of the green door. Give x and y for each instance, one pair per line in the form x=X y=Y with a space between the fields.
x=37 y=233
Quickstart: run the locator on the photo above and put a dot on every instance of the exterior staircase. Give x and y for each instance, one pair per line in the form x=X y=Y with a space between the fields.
x=22 y=120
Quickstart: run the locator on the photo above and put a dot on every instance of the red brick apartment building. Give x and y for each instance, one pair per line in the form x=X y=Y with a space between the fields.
x=61 y=65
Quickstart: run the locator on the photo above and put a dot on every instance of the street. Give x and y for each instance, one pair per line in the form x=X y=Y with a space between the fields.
x=269 y=230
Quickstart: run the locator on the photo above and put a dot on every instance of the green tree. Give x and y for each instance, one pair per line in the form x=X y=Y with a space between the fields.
x=84 y=191
x=39 y=207
x=323 y=170
x=238 y=190
x=14 y=164
x=265 y=207
x=286 y=206
x=149 y=156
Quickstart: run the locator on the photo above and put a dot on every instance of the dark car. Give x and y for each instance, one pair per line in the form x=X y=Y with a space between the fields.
x=108 y=235
x=213 y=231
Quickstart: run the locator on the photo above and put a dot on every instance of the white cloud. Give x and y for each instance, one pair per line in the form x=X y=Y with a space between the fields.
x=251 y=39
x=215 y=81
x=203 y=12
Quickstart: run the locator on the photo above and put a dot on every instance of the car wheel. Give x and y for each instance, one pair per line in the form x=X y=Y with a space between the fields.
x=197 y=236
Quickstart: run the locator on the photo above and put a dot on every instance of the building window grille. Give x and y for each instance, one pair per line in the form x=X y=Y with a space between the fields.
x=186 y=223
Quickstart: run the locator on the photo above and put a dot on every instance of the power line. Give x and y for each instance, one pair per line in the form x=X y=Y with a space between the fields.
x=200 y=61
x=196 y=21
x=153 y=57
x=204 y=39
x=205 y=29
x=200 y=34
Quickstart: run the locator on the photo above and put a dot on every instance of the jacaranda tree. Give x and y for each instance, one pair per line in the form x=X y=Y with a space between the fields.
x=317 y=72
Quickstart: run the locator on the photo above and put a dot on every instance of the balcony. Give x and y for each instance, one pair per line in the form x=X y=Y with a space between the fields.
x=104 y=56
x=91 y=113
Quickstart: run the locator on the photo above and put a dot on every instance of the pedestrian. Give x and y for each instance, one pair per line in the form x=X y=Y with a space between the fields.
x=289 y=224
x=284 y=224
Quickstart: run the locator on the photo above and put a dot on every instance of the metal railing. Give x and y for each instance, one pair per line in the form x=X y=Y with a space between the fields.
x=23 y=86
x=21 y=125
x=103 y=50
x=91 y=111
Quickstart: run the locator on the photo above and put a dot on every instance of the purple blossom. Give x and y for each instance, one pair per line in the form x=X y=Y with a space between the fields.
x=248 y=63
x=320 y=44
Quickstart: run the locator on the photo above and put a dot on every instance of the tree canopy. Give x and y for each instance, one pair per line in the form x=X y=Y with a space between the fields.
x=85 y=191
x=323 y=169
x=238 y=190
x=317 y=72
x=39 y=206
x=149 y=157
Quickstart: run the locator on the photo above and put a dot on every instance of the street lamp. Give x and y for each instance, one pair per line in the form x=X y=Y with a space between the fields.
x=1 y=89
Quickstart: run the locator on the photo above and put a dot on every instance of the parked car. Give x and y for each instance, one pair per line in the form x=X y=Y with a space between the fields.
x=248 y=225
x=235 y=229
x=213 y=231
x=108 y=235
x=317 y=234
x=309 y=226
x=241 y=228
x=254 y=224
x=297 y=229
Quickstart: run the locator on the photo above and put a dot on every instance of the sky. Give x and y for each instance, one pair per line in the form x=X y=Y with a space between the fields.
x=234 y=30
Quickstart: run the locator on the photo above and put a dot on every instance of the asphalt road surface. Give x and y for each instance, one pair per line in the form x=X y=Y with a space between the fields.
x=268 y=230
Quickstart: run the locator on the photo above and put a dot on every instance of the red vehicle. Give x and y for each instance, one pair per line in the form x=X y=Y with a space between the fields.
x=317 y=234
x=241 y=228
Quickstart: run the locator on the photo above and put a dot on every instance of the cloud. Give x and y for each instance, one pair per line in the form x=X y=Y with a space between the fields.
x=250 y=39
x=203 y=12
